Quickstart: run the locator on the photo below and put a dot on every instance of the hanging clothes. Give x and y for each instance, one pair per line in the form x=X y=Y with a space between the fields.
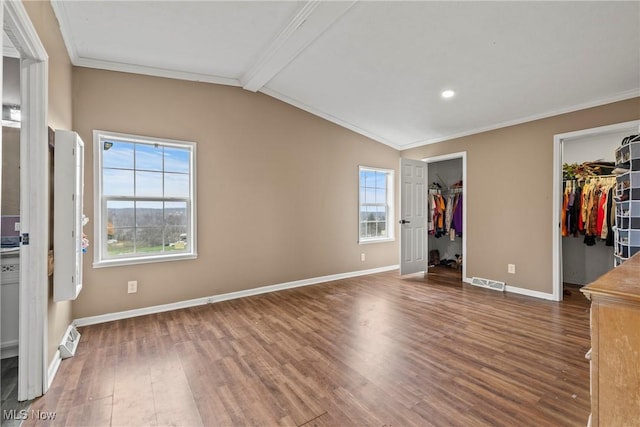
x=445 y=213
x=437 y=206
x=457 y=215
x=589 y=209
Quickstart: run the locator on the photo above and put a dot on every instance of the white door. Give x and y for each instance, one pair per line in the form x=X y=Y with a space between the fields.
x=413 y=216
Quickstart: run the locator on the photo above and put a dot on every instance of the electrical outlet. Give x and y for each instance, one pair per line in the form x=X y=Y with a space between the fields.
x=511 y=268
x=16 y=226
x=363 y=257
x=132 y=286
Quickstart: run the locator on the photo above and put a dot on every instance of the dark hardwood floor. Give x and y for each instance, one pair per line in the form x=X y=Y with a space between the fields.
x=376 y=350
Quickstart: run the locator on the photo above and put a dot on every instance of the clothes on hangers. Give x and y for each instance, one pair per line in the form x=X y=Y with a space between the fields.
x=445 y=213
x=589 y=209
x=437 y=206
x=457 y=215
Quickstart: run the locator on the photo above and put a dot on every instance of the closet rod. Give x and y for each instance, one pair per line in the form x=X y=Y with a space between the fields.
x=600 y=176
x=589 y=177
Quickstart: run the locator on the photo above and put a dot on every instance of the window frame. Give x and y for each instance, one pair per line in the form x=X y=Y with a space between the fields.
x=100 y=256
x=390 y=175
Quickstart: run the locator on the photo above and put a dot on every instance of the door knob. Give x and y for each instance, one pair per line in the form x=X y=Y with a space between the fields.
x=404 y=221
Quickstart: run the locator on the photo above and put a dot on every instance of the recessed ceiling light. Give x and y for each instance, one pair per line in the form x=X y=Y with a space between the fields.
x=447 y=93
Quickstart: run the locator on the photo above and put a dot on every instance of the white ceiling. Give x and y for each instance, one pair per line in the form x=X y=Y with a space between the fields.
x=378 y=67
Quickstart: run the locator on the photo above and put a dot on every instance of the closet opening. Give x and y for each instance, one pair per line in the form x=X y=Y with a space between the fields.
x=446 y=223
x=10 y=233
x=584 y=205
x=21 y=42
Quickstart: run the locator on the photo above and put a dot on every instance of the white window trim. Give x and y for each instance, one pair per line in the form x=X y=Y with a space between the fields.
x=390 y=202
x=98 y=208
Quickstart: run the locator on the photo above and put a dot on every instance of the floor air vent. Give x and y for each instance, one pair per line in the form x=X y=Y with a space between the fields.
x=488 y=283
x=68 y=348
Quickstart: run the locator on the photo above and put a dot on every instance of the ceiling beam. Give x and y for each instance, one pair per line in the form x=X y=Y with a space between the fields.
x=313 y=19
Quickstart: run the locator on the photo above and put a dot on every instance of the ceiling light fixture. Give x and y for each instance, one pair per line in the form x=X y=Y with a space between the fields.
x=447 y=93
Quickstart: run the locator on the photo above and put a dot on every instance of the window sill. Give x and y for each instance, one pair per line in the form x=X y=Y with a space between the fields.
x=366 y=242
x=143 y=260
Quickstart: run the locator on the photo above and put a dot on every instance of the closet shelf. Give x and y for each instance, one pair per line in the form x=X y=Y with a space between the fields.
x=627 y=196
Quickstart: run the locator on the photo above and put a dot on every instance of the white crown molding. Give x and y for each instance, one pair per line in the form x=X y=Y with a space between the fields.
x=65 y=29
x=154 y=71
x=92 y=320
x=595 y=103
x=317 y=16
x=328 y=117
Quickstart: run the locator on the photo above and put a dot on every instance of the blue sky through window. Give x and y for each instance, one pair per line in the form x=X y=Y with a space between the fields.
x=156 y=170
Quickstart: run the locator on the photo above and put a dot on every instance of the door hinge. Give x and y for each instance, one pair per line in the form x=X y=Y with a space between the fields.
x=24 y=238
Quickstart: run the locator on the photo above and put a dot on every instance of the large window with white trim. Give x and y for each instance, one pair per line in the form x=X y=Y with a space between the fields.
x=376 y=205
x=144 y=199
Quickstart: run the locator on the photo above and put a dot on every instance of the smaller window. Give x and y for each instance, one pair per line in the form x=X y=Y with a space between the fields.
x=376 y=205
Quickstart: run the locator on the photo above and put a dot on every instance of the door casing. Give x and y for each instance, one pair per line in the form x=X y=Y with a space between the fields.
x=34 y=202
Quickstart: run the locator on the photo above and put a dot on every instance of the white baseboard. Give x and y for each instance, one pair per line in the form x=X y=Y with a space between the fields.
x=9 y=349
x=55 y=363
x=529 y=293
x=102 y=318
x=522 y=291
x=53 y=369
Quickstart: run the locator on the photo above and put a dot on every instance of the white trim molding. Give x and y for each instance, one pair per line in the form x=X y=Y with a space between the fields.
x=570 y=109
x=59 y=10
x=522 y=291
x=333 y=119
x=53 y=368
x=529 y=293
x=57 y=358
x=102 y=318
x=558 y=140
x=459 y=155
x=34 y=200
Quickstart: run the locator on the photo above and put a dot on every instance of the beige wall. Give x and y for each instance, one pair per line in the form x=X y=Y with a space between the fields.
x=509 y=185
x=277 y=188
x=59 y=117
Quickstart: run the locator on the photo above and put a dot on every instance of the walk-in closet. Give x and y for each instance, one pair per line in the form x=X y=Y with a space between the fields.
x=445 y=225
x=588 y=208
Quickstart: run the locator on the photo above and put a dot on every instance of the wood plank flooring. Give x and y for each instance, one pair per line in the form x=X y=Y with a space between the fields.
x=376 y=350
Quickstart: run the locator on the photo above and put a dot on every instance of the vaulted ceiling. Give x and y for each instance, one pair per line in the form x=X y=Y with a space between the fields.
x=377 y=67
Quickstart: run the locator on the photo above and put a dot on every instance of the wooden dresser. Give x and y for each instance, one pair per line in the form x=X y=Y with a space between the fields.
x=615 y=346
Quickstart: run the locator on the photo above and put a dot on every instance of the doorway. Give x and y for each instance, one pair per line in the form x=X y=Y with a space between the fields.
x=10 y=230
x=447 y=174
x=34 y=207
x=415 y=236
x=573 y=262
x=445 y=231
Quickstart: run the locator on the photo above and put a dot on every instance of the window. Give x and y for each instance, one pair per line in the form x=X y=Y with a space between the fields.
x=376 y=205
x=144 y=199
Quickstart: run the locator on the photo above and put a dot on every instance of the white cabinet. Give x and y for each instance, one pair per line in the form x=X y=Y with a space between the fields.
x=9 y=288
x=67 y=215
